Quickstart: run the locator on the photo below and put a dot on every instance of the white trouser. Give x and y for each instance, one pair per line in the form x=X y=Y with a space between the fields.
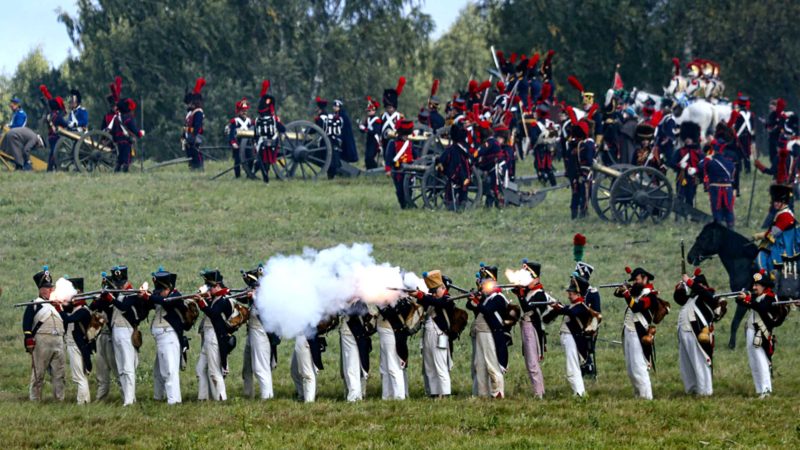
x=355 y=379
x=574 y=375
x=167 y=366
x=209 y=369
x=489 y=378
x=636 y=364
x=759 y=364
x=78 y=373
x=105 y=368
x=694 y=366
x=436 y=361
x=247 y=368
x=260 y=359
x=304 y=373
x=393 y=374
x=127 y=359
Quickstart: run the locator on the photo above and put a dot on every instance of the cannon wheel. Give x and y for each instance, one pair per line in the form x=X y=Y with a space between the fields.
x=601 y=192
x=640 y=194
x=436 y=143
x=305 y=151
x=65 y=155
x=89 y=155
x=412 y=181
x=435 y=185
x=247 y=154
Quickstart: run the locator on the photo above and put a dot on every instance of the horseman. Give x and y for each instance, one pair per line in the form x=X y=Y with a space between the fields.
x=780 y=240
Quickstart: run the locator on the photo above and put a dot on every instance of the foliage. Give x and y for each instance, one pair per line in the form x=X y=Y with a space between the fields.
x=82 y=225
x=755 y=42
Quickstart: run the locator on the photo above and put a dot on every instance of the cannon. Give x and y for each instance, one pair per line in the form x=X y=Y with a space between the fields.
x=304 y=151
x=89 y=151
x=425 y=187
x=626 y=194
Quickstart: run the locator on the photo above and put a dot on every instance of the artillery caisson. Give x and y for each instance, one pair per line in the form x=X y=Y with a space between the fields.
x=304 y=151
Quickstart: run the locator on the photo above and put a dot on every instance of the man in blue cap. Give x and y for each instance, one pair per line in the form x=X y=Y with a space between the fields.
x=18 y=116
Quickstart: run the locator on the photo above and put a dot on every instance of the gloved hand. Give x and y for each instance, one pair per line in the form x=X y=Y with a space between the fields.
x=684 y=164
x=691 y=171
x=141 y=133
x=30 y=344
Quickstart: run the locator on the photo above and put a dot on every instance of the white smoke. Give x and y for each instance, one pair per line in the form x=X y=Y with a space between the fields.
x=520 y=277
x=63 y=292
x=296 y=292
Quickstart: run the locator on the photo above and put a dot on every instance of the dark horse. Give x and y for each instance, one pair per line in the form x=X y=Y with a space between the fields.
x=737 y=254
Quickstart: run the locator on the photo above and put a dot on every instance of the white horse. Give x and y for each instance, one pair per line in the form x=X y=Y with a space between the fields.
x=640 y=97
x=701 y=112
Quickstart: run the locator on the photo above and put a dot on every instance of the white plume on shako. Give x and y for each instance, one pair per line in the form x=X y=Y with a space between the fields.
x=63 y=292
x=296 y=292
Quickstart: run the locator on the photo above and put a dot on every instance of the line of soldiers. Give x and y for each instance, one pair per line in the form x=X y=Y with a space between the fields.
x=109 y=326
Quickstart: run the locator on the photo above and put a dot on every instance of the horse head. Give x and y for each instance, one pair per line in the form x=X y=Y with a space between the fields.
x=707 y=244
x=717 y=239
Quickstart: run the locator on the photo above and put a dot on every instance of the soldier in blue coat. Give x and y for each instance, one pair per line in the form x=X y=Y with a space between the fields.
x=268 y=128
x=168 y=327
x=455 y=164
x=490 y=343
x=76 y=317
x=18 y=116
x=718 y=176
x=241 y=121
x=193 y=125
x=125 y=131
x=491 y=159
x=78 y=119
x=371 y=127
x=580 y=156
x=55 y=120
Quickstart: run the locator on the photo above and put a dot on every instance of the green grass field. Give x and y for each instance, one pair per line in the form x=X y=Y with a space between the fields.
x=81 y=225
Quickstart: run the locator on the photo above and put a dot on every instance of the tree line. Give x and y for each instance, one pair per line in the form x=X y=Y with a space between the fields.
x=349 y=49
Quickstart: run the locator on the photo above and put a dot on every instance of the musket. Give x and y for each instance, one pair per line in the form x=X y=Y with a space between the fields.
x=728 y=294
x=88 y=295
x=76 y=297
x=683 y=257
x=788 y=302
x=612 y=285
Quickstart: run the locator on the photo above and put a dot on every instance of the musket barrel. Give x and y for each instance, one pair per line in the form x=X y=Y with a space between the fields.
x=245 y=134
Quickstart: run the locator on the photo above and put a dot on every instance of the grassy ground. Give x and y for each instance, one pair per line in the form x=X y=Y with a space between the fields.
x=81 y=225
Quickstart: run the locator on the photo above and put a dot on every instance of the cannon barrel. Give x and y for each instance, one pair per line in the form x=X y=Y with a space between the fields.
x=606 y=170
x=77 y=137
x=245 y=134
